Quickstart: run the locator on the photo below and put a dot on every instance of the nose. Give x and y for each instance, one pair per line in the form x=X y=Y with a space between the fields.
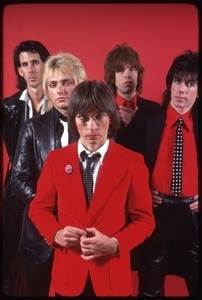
x=91 y=124
x=60 y=88
x=30 y=67
x=126 y=72
x=182 y=87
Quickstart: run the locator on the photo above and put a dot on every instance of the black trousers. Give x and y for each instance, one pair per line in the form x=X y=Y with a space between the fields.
x=171 y=249
x=37 y=278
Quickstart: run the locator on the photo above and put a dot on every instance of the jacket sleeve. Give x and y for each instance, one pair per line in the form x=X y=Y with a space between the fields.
x=42 y=209
x=24 y=173
x=11 y=116
x=142 y=221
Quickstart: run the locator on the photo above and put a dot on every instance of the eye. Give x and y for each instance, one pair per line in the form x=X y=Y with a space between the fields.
x=132 y=69
x=35 y=62
x=121 y=70
x=99 y=116
x=176 y=80
x=23 y=65
x=52 y=85
x=190 y=83
x=68 y=82
x=84 y=118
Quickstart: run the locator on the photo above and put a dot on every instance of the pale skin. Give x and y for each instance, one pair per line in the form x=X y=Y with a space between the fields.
x=183 y=95
x=126 y=83
x=31 y=70
x=59 y=88
x=93 y=243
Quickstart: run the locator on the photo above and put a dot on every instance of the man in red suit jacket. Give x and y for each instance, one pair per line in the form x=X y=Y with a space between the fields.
x=93 y=240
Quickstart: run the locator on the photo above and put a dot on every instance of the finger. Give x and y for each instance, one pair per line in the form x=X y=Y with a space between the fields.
x=154 y=192
x=87 y=257
x=91 y=231
x=87 y=251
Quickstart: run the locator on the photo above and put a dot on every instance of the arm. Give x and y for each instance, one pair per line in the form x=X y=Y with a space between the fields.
x=195 y=205
x=140 y=212
x=25 y=167
x=43 y=208
x=127 y=114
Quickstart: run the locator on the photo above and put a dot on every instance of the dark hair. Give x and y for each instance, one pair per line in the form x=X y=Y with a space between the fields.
x=116 y=58
x=27 y=46
x=93 y=95
x=184 y=66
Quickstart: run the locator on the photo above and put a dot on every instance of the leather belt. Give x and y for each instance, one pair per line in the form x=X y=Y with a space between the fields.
x=176 y=199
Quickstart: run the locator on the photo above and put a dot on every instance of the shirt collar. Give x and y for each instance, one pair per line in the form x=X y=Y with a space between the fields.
x=58 y=115
x=173 y=116
x=102 y=150
x=120 y=100
x=25 y=97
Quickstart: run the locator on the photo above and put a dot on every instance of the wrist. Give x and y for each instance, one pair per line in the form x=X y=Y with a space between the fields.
x=116 y=248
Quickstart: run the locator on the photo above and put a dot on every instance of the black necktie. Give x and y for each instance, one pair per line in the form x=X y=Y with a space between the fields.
x=176 y=184
x=60 y=130
x=88 y=173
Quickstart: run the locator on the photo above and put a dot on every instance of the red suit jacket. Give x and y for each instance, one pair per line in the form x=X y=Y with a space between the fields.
x=121 y=207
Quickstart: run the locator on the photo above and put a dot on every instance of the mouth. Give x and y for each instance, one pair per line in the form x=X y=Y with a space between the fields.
x=32 y=78
x=128 y=83
x=92 y=136
x=62 y=99
x=178 y=98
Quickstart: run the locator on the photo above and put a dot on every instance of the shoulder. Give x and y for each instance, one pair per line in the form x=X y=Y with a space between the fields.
x=40 y=119
x=147 y=103
x=123 y=152
x=12 y=103
x=12 y=98
x=151 y=112
x=66 y=152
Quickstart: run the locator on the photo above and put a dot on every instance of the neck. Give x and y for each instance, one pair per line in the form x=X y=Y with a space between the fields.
x=128 y=96
x=181 y=110
x=64 y=112
x=36 y=94
x=92 y=147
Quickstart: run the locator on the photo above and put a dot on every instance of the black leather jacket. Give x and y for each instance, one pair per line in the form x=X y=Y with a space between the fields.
x=13 y=115
x=37 y=139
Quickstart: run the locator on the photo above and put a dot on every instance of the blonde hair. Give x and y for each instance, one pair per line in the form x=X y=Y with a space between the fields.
x=66 y=63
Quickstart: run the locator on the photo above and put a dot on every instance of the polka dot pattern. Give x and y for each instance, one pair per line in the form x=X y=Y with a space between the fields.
x=176 y=184
x=88 y=174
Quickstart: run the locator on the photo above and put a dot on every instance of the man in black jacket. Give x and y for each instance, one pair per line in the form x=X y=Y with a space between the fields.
x=29 y=57
x=39 y=136
x=123 y=72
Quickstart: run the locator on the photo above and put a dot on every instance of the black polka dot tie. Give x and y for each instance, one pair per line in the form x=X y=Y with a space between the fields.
x=176 y=184
x=88 y=173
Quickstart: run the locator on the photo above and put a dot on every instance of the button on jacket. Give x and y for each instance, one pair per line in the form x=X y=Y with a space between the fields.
x=128 y=189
